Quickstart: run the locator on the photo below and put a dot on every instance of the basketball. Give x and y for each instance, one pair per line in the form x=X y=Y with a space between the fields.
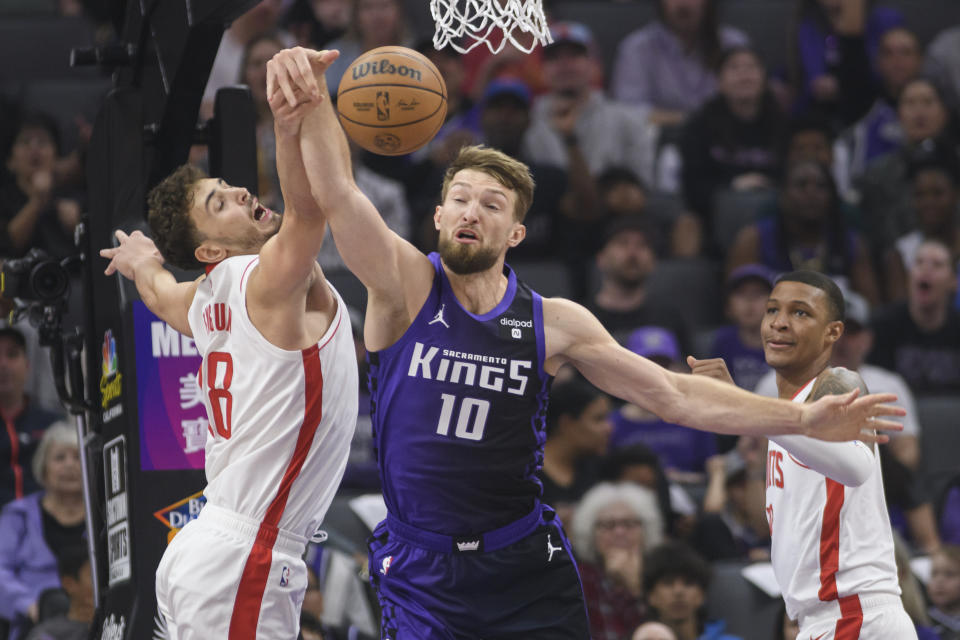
x=392 y=100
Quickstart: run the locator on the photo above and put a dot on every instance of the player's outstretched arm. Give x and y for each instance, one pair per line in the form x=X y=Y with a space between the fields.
x=574 y=335
x=137 y=258
x=849 y=463
x=384 y=262
x=288 y=261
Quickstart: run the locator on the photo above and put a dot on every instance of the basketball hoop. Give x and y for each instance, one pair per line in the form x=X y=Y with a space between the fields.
x=464 y=24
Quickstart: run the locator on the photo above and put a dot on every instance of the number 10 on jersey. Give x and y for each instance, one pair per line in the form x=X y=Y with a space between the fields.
x=471 y=417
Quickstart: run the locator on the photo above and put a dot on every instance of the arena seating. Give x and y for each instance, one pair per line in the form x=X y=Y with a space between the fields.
x=939 y=439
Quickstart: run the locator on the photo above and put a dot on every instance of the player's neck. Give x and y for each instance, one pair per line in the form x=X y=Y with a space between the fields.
x=791 y=379
x=479 y=292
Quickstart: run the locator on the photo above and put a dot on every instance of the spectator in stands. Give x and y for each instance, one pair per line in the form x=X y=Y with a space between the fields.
x=578 y=432
x=683 y=452
x=731 y=143
x=812 y=138
x=667 y=67
x=920 y=338
x=73 y=568
x=831 y=53
x=638 y=464
x=315 y=23
x=675 y=581
x=262 y=18
x=373 y=23
x=613 y=527
x=253 y=73
x=653 y=631
x=624 y=262
x=734 y=524
x=785 y=628
x=586 y=132
x=34 y=529
x=899 y=60
x=25 y=423
x=622 y=193
x=936 y=197
x=34 y=211
x=747 y=289
x=944 y=592
x=39 y=386
x=886 y=199
x=808 y=232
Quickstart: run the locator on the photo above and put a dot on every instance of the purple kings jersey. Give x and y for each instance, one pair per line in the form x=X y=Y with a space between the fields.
x=458 y=409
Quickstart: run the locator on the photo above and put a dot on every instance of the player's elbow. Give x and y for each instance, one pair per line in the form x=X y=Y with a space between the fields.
x=854 y=475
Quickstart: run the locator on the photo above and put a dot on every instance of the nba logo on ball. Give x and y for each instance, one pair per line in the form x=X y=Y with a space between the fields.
x=392 y=100
x=383 y=105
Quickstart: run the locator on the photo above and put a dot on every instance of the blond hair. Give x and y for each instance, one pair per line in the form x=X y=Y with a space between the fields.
x=59 y=432
x=509 y=172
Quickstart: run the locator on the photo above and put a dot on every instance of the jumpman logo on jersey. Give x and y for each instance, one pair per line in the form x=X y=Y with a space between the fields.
x=551 y=549
x=439 y=317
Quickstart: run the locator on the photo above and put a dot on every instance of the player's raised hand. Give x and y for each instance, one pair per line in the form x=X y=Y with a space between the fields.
x=299 y=71
x=848 y=417
x=129 y=252
x=711 y=367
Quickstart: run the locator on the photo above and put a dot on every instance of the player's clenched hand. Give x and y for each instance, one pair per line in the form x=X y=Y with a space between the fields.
x=712 y=368
x=129 y=252
x=847 y=417
x=299 y=69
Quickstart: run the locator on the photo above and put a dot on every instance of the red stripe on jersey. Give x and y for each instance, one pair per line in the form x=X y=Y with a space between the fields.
x=851 y=619
x=256 y=571
x=246 y=607
x=313 y=412
x=830 y=541
x=15 y=459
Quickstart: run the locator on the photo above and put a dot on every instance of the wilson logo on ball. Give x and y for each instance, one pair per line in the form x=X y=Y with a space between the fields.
x=385 y=67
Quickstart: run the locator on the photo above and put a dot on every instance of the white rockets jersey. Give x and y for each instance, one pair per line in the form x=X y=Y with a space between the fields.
x=280 y=422
x=830 y=543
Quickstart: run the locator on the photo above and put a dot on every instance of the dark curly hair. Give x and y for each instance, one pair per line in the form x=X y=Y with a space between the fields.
x=168 y=213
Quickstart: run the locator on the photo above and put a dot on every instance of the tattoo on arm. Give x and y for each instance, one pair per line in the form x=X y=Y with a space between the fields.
x=836 y=381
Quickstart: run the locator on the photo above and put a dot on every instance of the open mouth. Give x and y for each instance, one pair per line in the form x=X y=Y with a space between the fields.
x=260 y=212
x=467 y=235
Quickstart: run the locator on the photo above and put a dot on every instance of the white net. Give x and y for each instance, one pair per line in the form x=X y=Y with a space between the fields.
x=464 y=24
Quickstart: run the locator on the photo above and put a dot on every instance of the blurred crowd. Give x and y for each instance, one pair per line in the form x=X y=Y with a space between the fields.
x=674 y=182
